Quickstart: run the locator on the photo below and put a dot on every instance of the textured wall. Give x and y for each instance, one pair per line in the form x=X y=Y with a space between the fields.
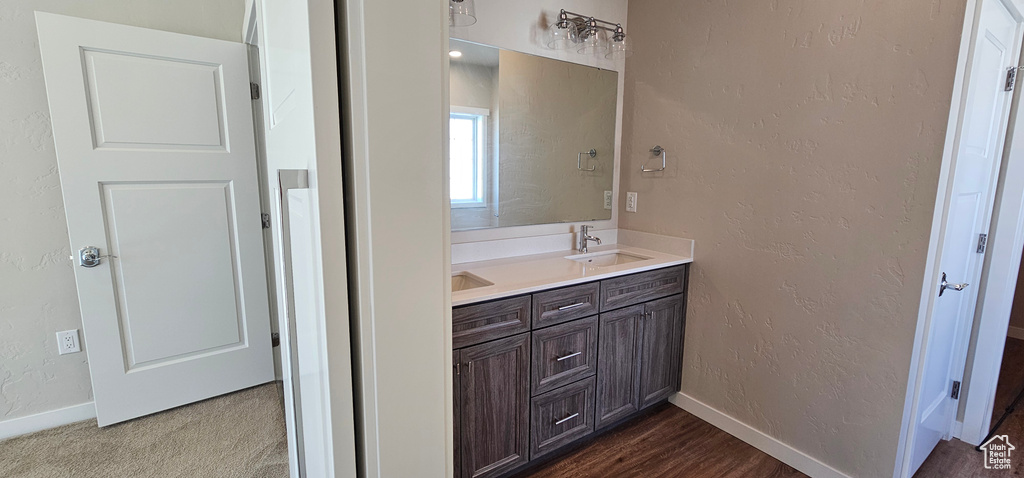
x=804 y=140
x=37 y=286
x=550 y=111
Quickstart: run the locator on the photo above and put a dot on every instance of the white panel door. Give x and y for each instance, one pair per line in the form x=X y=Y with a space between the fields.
x=154 y=140
x=976 y=167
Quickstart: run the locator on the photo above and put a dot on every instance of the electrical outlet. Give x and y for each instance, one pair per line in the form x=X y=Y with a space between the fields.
x=67 y=342
x=630 y=202
x=607 y=199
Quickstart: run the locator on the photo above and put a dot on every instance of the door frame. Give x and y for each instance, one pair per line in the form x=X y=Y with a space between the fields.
x=327 y=188
x=939 y=220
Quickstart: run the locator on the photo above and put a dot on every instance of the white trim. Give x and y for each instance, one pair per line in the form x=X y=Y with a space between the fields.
x=469 y=110
x=1015 y=332
x=803 y=462
x=46 y=420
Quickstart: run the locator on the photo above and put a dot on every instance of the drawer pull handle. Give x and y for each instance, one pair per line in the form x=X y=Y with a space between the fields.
x=570 y=417
x=567 y=357
x=572 y=306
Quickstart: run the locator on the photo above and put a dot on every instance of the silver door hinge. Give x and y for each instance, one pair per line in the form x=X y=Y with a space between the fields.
x=982 y=243
x=1011 y=77
x=956 y=390
x=275 y=339
x=265 y=220
x=254 y=91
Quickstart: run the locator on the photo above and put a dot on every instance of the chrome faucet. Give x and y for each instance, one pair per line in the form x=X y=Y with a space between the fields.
x=586 y=238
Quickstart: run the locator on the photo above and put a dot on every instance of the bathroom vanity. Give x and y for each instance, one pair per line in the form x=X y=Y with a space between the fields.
x=549 y=349
x=557 y=349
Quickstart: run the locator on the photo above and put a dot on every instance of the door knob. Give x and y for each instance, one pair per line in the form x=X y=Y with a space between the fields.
x=89 y=256
x=946 y=285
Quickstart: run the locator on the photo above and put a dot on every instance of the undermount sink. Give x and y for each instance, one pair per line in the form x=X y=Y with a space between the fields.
x=466 y=281
x=607 y=258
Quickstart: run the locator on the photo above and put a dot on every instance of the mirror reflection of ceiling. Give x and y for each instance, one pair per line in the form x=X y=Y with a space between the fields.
x=475 y=54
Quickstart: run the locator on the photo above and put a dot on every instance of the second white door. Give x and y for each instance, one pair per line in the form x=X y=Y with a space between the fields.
x=154 y=139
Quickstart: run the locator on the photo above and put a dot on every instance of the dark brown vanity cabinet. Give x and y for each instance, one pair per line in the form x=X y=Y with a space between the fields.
x=494 y=406
x=592 y=356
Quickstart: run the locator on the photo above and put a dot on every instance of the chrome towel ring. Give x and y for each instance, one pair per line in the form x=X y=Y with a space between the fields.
x=579 y=160
x=656 y=150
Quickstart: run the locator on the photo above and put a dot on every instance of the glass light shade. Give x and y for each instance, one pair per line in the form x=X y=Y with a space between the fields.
x=561 y=36
x=461 y=13
x=618 y=50
x=595 y=43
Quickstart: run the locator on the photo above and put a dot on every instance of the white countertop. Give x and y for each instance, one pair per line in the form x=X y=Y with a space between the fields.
x=526 y=274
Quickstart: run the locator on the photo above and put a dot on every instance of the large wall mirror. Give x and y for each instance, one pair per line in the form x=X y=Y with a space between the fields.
x=532 y=139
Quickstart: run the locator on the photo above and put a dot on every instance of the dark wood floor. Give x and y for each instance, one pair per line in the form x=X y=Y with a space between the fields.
x=673 y=443
x=957 y=459
x=1011 y=376
x=669 y=443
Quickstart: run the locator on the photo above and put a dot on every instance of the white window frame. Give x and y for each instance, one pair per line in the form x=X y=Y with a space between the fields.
x=481 y=115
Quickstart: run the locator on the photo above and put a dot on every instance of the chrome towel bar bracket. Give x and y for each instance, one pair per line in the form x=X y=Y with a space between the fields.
x=579 y=160
x=656 y=150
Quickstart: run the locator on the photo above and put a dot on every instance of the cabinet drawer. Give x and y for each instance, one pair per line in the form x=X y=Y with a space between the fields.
x=478 y=323
x=562 y=305
x=642 y=287
x=564 y=354
x=561 y=417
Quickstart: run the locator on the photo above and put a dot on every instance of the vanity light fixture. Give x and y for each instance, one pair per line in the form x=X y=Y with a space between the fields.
x=588 y=36
x=461 y=13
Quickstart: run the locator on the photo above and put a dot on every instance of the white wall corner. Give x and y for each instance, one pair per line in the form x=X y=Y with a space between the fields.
x=791 y=456
x=46 y=420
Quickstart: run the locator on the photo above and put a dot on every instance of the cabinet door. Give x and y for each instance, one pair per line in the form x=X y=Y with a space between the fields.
x=456 y=412
x=661 y=350
x=495 y=407
x=618 y=366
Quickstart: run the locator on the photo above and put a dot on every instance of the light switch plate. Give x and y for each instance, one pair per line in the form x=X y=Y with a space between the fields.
x=630 y=202
x=67 y=342
x=607 y=199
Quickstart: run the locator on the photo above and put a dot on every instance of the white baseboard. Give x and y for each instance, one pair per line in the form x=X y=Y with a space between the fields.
x=1015 y=332
x=46 y=420
x=781 y=451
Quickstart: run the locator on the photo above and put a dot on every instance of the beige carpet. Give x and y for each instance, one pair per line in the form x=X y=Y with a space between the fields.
x=237 y=435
